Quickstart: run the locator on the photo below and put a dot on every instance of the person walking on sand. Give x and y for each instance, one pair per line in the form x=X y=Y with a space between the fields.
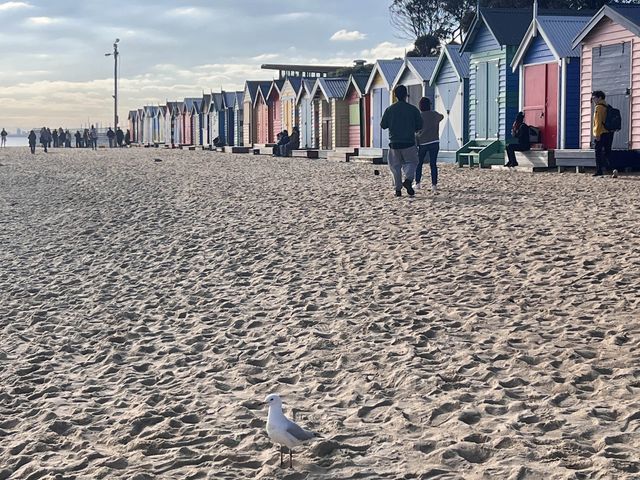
x=520 y=131
x=3 y=135
x=93 y=134
x=44 y=138
x=403 y=121
x=85 y=138
x=428 y=143
x=32 y=141
x=603 y=138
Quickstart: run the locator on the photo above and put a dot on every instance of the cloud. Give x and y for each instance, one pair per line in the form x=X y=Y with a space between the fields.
x=265 y=57
x=42 y=20
x=346 y=36
x=386 y=50
x=188 y=12
x=14 y=6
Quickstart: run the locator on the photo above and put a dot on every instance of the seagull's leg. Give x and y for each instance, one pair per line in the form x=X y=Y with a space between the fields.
x=290 y=458
x=281 y=456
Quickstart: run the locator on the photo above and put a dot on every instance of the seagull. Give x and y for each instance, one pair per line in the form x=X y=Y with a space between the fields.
x=282 y=430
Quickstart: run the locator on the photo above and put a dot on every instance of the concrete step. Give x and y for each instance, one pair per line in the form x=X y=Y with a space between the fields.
x=305 y=153
x=237 y=149
x=262 y=150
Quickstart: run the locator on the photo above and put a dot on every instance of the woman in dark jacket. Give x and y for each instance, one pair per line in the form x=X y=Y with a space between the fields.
x=519 y=130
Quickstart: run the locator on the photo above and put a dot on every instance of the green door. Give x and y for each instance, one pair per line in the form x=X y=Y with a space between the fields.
x=493 y=106
x=481 y=101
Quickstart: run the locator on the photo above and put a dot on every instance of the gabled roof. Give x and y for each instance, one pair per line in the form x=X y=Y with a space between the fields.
x=239 y=99
x=558 y=33
x=276 y=86
x=252 y=87
x=295 y=82
x=387 y=69
x=506 y=25
x=205 y=103
x=421 y=67
x=459 y=62
x=133 y=114
x=188 y=103
x=217 y=102
x=306 y=87
x=627 y=15
x=162 y=110
x=229 y=99
x=263 y=91
x=359 y=82
x=150 y=110
x=331 y=87
x=173 y=107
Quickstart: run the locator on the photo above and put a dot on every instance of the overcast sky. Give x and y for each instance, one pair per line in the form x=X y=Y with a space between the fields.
x=53 y=70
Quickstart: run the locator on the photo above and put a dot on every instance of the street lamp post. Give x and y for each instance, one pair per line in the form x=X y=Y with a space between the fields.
x=115 y=81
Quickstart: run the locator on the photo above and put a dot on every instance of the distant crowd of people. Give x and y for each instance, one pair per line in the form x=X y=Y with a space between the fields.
x=60 y=138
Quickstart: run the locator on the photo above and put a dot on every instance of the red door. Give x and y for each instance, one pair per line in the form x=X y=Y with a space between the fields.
x=275 y=117
x=541 y=101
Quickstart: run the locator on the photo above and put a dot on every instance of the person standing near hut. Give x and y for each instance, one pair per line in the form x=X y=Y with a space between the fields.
x=3 y=134
x=127 y=138
x=603 y=138
x=111 y=135
x=428 y=142
x=119 y=137
x=520 y=131
x=93 y=134
x=44 y=139
x=403 y=121
x=32 y=141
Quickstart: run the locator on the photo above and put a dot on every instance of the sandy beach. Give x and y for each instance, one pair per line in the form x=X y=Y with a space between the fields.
x=148 y=307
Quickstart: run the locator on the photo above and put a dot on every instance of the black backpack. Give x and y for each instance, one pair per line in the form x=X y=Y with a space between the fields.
x=613 y=120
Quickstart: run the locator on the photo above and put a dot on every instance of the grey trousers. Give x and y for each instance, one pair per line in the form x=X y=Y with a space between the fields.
x=402 y=162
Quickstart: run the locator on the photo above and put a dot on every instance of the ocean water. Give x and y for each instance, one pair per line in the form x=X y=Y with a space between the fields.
x=17 y=142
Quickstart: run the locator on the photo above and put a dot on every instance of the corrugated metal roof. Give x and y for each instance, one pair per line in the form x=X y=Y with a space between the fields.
x=191 y=102
x=240 y=98
x=360 y=81
x=217 y=102
x=296 y=83
x=334 y=87
x=508 y=24
x=561 y=31
x=423 y=66
x=308 y=84
x=389 y=69
x=460 y=61
x=205 y=103
x=229 y=99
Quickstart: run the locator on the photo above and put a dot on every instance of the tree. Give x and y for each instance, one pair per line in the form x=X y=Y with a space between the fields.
x=447 y=20
x=425 y=46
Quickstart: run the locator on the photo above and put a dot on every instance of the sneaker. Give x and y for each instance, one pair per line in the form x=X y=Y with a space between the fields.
x=418 y=186
x=434 y=189
x=614 y=174
x=398 y=193
x=407 y=184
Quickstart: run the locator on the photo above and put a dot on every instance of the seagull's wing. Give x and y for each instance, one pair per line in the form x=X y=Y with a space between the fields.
x=298 y=433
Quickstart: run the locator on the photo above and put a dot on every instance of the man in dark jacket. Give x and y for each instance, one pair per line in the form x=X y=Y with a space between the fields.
x=403 y=121
x=111 y=135
x=119 y=137
x=519 y=130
